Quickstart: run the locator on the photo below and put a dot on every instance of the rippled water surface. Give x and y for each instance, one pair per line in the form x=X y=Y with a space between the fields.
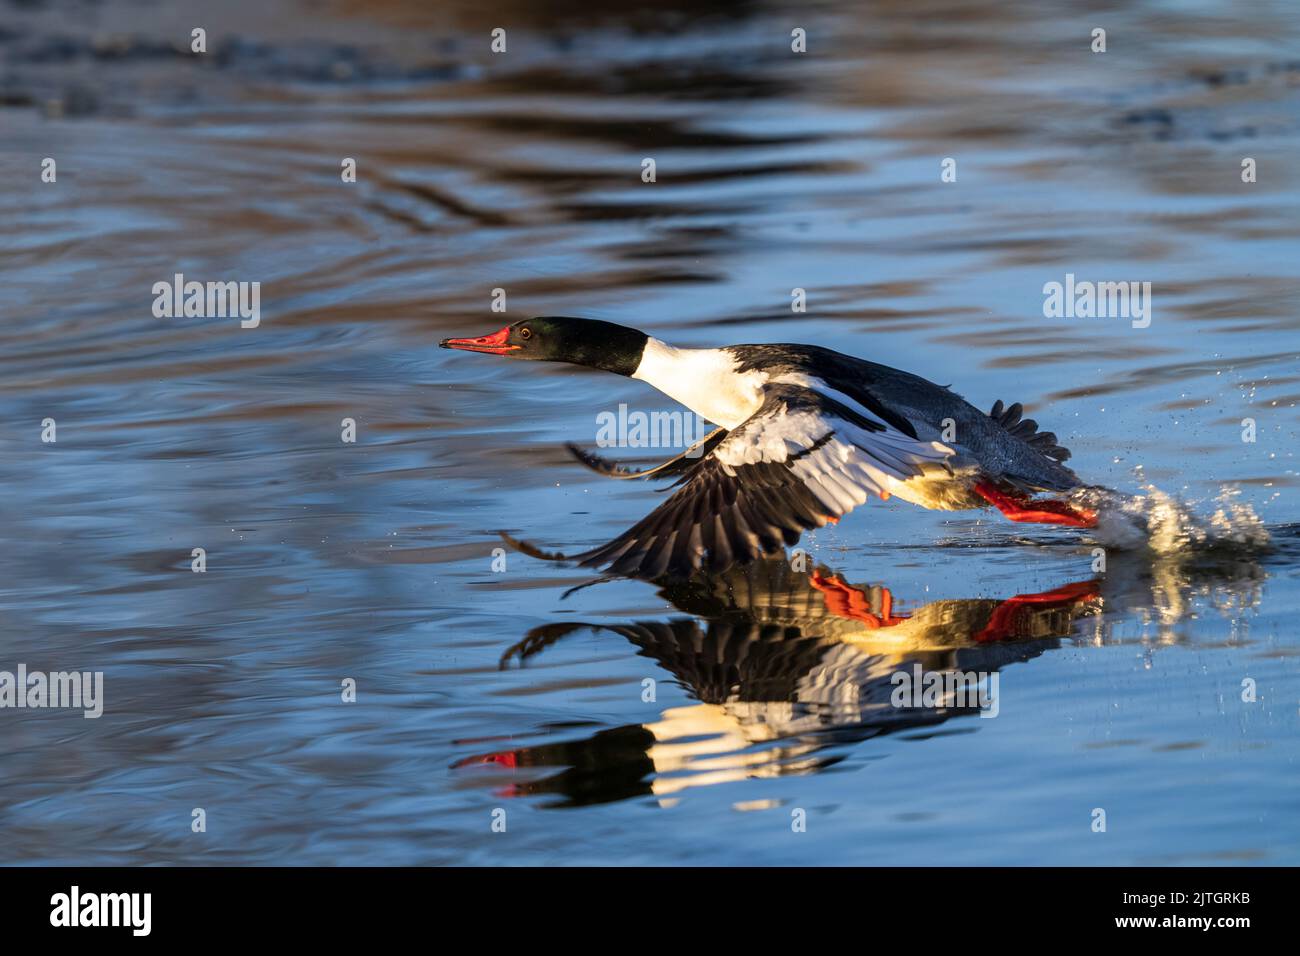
x=481 y=690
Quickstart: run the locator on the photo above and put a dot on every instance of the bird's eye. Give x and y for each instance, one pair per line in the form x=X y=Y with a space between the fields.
x=525 y=333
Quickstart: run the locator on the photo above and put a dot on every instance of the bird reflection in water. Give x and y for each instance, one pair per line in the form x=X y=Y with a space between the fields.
x=788 y=666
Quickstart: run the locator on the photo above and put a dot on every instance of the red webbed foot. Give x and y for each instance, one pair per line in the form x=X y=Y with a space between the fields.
x=1037 y=511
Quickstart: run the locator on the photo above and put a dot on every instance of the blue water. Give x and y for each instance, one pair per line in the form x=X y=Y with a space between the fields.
x=374 y=561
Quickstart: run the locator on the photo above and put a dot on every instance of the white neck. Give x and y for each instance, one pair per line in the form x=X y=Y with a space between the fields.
x=704 y=380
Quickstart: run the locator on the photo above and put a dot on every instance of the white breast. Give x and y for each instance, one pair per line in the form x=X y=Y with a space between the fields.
x=704 y=380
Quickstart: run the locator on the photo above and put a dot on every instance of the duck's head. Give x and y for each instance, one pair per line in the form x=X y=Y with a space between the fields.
x=555 y=338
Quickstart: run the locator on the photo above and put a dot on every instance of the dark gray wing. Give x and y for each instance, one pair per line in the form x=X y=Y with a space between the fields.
x=1026 y=429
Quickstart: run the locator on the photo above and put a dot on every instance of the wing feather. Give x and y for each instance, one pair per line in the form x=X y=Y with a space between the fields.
x=801 y=460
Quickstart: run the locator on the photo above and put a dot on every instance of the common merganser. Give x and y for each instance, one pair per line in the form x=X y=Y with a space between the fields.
x=805 y=435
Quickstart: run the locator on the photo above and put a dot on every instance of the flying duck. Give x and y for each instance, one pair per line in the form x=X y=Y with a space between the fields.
x=805 y=434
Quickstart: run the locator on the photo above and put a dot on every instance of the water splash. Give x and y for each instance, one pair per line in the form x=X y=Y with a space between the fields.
x=1166 y=524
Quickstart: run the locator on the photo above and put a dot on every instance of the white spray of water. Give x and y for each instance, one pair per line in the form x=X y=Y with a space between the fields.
x=1166 y=524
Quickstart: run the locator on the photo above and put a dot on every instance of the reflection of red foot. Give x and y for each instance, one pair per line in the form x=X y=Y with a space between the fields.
x=1041 y=511
x=1002 y=622
x=506 y=758
x=844 y=600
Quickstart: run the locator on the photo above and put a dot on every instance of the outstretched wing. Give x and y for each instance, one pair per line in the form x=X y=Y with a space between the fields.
x=802 y=460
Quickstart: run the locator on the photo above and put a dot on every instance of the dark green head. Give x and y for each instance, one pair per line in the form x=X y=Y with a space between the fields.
x=557 y=338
